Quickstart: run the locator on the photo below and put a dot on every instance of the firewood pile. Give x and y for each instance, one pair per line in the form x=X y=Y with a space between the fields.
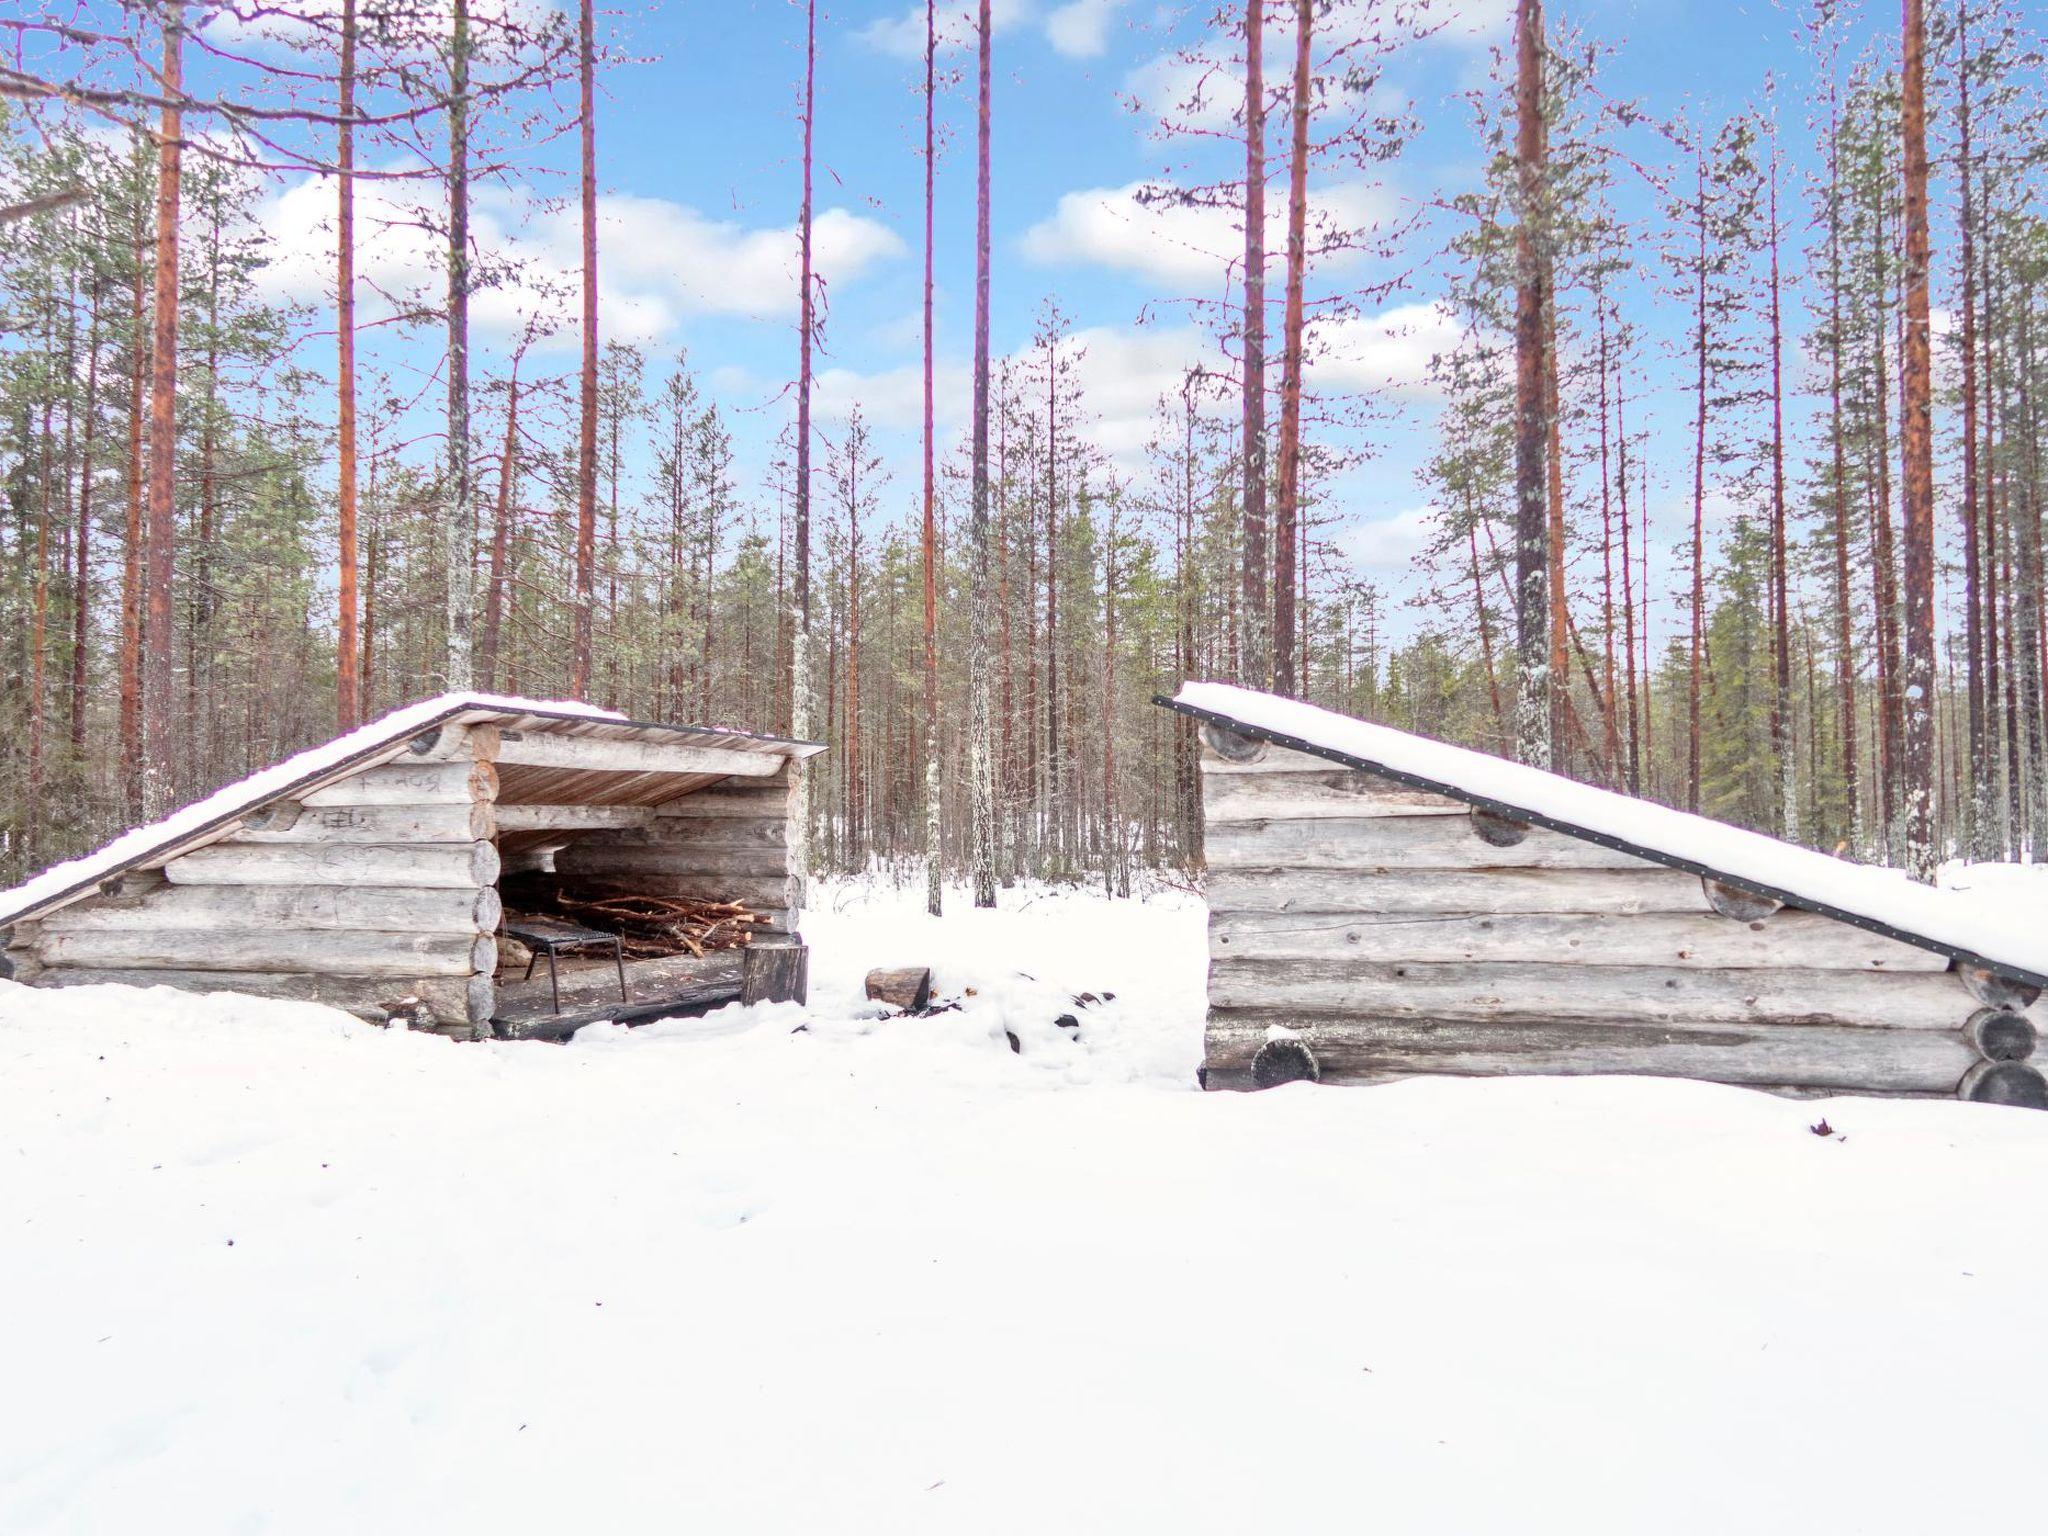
x=653 y=926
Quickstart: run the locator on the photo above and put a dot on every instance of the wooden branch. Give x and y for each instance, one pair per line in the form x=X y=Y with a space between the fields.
x=49 y=203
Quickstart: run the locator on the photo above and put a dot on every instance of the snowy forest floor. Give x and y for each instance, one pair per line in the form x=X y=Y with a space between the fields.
x=782 y=1269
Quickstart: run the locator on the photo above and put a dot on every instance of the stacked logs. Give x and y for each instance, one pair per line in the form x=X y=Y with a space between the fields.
x=653 y=926
x=2004 y=1037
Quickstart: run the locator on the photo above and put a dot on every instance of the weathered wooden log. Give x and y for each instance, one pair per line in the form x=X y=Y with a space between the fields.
x=1994 y=989
x=551 y=749
x=571 y=818
x=465 y=910
x=410 y=782
x=1367 y=843
x=1498 y=831
x=1695 y=941
x=332 y=952
x=1649 y=889
x=445 y=822
x=1232 y=746
x=1915 y=1000
x=1272 y=759
x=744 y=799
x=1732 y=901
x=679 y=832
x=2014 y=1083
x=1919 y=1061
x=1998 y=1034
x=453 y=742
x=908 y=986
x=618 y=859
x=1284 y=1060
x=454 y=1002
x=775 y=973
x=1328 y=791
x=437 y=866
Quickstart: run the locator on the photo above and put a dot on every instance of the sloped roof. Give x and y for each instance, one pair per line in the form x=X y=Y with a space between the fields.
x=379 y=741
x=1882 y=900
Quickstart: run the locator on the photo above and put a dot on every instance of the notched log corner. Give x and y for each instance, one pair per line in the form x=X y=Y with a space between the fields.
x=1232 y=746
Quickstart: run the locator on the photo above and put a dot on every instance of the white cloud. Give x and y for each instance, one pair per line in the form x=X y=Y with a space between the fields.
x=1390 y=543
x=1080 y=28
x=1111 y=227
x=660 y=260
x=1385 y=352
x=957 y=22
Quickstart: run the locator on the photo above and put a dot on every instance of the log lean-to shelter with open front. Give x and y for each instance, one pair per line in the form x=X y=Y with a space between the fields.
x=1384 y=906
x=376 y=872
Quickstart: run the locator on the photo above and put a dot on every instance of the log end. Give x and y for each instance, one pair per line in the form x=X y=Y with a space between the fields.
x=2012 y=1083
x=1284 y=1061
x=1732 y=901
x=1232 y=746
x=1496 y=830
x=2000 y=1035
x=1993 y=989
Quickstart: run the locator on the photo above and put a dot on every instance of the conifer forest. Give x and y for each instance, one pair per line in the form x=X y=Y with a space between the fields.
x=1730 y=419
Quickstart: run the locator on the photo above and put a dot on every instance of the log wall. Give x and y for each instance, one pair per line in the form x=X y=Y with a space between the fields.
x=1362 y=931
x=375 y=894
x=732 y=842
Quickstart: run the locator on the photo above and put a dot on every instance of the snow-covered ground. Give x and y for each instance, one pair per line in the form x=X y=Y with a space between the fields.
x=267 y=1269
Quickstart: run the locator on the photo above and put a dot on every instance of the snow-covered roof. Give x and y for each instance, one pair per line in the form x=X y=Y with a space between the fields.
x=1879 y=899
x=379 y=740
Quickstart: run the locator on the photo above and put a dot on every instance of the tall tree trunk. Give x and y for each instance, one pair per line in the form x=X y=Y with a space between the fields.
x=1533 y=679
x=586 y=437
x=1634 y=781
x=1845 y=646
x=980 y=767
x=135 y=548
x=1916 y=436
x=1287 y=512
x=1980 y=814
x=81 y=553
x=1696 y=629
x=802 y=700
x=934 y=895
x=159 y=724
x=458 y=542
x=1257 y=657
x=347 y=675
x=1781 y=603
x=501 y=533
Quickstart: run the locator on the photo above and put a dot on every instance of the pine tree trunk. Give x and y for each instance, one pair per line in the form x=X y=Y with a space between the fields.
x=1781 y=617
x=1533 y=681
x=980 y=767
x=1257 y=652
x=1287 y=511
x=1696 y=628
x=348 y=706
x=934 y=895
x=586 y=436
x=159 y=725
x=135 y=548
x=81 y=575
x=802 y=699
x=1981 y=814
x=458 y=543
x=1916 y=436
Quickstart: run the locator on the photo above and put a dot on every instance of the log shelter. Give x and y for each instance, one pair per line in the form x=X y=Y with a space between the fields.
x=374 y=872
x=1384 y=906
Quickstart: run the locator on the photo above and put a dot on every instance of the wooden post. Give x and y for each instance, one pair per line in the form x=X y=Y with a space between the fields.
x=775 y=973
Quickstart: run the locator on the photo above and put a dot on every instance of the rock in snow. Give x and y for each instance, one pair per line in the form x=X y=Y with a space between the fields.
x=269 y=1269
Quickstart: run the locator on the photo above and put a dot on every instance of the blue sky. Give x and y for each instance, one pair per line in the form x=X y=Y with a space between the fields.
x=699 y=171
